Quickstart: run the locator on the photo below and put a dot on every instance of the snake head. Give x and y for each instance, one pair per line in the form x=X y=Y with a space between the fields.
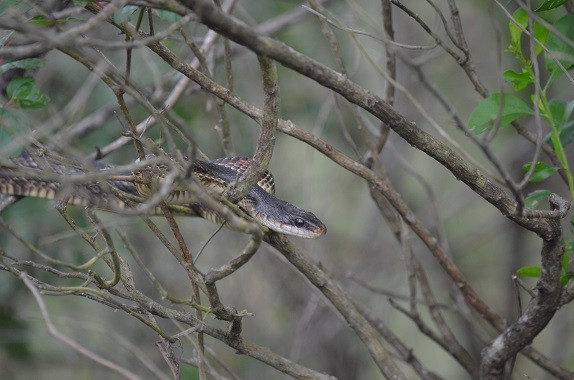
x=286 y=218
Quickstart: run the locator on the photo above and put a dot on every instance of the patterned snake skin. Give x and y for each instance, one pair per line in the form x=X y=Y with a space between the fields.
x=34 y=174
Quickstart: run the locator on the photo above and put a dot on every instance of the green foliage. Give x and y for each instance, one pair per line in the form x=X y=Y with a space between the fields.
x=28 y=63
x=540 y=33
x=560 y=111
x=566 y=135
x=45 y=21
x=519 y=80
x=14 y=123
x=541 y=171
x=24 y=93
x=487 y=111
x=556 y=112
x=550 y=4
x=533 y=271
x=168 y=16
x=562 y=51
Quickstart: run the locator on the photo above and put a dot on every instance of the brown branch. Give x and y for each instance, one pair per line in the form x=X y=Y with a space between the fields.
x=266 y=142
x=327 y=77
x=243 y=346
x=540 y=309
x=362 y=171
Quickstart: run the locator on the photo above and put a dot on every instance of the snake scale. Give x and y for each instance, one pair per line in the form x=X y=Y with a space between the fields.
x=34 y=174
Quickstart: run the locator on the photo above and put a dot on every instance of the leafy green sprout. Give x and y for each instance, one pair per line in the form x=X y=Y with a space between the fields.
x=501 y=111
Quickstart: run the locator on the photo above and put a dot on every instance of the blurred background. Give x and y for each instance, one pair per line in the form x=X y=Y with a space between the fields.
x=290 y=317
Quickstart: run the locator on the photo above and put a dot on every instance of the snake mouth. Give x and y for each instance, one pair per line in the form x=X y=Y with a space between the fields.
x=309 y=232
x=318 y=232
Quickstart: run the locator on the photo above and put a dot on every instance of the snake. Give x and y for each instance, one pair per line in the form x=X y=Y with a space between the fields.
x=35 y=174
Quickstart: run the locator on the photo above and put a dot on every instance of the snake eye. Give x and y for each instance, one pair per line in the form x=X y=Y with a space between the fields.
x=298 y=222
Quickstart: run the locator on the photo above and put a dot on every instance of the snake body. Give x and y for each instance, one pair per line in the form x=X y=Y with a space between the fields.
x=34 y=174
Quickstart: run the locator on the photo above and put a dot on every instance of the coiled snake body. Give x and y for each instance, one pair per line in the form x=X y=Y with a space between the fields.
x=34 y=174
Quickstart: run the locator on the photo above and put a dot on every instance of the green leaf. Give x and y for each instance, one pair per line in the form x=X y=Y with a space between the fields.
x=565 y=261
x=24 y=93
x=541 y=171
x=550 y=4
x=521 y=17
x=540 y=32
x=41 y=21
x=571 y=225
x=518 y=80
x=28 y=63
x=14 y=123
x=486 y=112
x=561 y=111
x=45 y=21
x=559 y=48
x=532 y=200
x=528 y=272
x=566 y=135
x=566 y=279
x=168 y=16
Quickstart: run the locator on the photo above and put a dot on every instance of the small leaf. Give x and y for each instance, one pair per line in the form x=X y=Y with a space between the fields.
x=550 y=4
x=486 y=112
x=532 y=200
x=540 y=32
x=571 y=225
x=515 y=32
x=566 y=135
x=45 y=21
x=20 y=87
x=41 y=21
x=566 y=279
x=541 y=171
x=14 y=123
x=561 y=111
x=28 y=63
x=558 y=47
x=24 y=93
x=168 y=16
x=518 y=80
x=528 y=272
